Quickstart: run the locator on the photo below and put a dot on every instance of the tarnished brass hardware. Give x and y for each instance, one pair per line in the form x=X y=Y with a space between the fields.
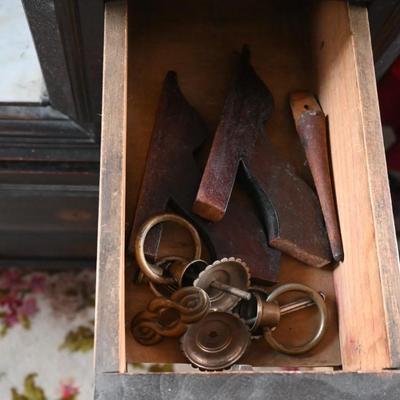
x=317 y=299
x=225 y=281
x=170 y=317
x=154 y=272
x=156 y=288
x=231 y=290
x=163 y=290
x=186 y=272
x=298 y=305
x=216 y=342
x=183 y=271
x=262 y=314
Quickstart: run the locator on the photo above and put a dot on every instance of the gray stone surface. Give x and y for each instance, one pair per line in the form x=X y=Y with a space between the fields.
x=249 y=386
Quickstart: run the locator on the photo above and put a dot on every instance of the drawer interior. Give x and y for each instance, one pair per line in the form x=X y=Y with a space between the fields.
x=293 y=46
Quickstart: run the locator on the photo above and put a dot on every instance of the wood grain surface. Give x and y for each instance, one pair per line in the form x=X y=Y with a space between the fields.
x=367 y=281
x=109 y=329
x=198 y=42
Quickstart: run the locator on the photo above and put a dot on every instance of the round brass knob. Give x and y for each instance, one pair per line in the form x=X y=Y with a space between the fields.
x=216 y=342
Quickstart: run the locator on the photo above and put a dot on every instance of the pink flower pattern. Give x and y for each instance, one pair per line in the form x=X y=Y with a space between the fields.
x=17 y=305
x=67 y=293
x=68 y=390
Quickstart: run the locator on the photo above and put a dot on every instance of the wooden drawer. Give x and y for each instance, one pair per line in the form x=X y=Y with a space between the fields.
x=323 y=46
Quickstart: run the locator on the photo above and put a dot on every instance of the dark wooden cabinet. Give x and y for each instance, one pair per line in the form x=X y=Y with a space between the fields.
x=49 y=152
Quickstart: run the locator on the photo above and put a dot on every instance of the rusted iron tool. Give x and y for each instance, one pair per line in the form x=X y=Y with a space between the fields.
x=311 y=126
x=171 y=180
x=291 y=212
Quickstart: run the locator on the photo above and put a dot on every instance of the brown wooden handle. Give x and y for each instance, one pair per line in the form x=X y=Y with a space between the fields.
x=311 y=127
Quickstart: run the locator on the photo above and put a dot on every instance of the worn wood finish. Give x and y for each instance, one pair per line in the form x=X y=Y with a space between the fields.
x=48 y=221
x=291 y=213
x=290 y=210
x=369 y=274
x=311 y=126
x=48 y=213
x=66 y=125
x=68 y=40
x=64 y=128
x=110 y=290
x=368 y=279
x=171 y=174
x=157 y=43
x=247 y=107
x=178 y=134
x=205 y=62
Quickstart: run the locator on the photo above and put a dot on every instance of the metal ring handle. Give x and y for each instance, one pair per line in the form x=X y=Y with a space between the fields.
x=319 y=302
x=153 y=272
x=165 y=290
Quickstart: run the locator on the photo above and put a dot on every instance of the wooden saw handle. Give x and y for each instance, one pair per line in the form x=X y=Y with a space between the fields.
x=311 y=127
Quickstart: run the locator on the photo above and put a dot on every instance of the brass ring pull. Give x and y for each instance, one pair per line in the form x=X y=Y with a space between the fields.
x=319 y=302
x=154 y=272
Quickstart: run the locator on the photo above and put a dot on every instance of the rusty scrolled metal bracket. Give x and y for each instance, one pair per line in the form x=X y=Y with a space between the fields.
x=170 y=317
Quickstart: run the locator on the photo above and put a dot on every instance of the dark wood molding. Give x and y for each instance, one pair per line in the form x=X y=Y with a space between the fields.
x=38 y=123
x=49 y=151
x=32 y=132
x=384 y=17
x=68 y=36
x=48 y=221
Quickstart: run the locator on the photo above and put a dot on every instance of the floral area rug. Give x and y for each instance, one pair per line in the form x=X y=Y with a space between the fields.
x=46 y=335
